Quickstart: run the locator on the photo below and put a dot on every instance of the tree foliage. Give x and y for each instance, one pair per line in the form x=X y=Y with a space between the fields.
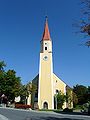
x=2 y=65
x=84 y=23
x=61 y=98
x=25 y=90
x=85 y=19
x=69 y=97
x=9 y=83
x=75 y=99
x=11 y=87
x=82 y=93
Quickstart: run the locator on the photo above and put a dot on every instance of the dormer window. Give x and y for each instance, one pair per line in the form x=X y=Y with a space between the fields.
x=45 y=48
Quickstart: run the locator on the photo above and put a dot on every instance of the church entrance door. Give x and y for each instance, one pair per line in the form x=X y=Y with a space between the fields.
x=45 y=105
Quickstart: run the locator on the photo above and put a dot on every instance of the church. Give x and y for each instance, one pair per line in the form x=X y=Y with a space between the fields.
x=47 y=82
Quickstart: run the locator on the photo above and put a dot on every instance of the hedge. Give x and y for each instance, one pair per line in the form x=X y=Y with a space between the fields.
x=22 y=106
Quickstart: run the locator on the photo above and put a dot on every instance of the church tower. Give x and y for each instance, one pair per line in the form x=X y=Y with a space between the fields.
x=48 y=83
x=45 y=85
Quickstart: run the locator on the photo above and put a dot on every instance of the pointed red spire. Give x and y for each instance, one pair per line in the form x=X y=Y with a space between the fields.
x=46 y=33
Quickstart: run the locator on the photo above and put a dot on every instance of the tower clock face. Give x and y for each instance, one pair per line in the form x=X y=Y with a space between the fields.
x=45 y=58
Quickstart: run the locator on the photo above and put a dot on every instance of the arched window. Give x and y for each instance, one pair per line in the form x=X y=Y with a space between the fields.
x=45 y=105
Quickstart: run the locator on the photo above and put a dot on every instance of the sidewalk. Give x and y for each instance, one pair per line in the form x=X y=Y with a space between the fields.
x=3 y=117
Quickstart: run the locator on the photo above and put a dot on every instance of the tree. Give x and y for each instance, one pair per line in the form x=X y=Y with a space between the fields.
x=2 y=65
x=12 y=85
x=26 y=90
x=31 y=87
x=88 y=94
x=61 y=98
x=85 y=20
x=9 y=83
x=80 y=92
x=75 y=99
x=69 y=97
x=23 y=94
x=84 y=24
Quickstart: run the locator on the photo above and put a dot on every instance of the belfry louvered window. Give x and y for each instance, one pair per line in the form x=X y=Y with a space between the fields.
x=45 y=48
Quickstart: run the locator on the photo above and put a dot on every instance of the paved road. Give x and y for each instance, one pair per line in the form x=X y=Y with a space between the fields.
x=14 y=114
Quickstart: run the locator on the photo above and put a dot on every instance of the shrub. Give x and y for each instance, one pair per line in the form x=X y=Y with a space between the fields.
x=89 y=110
x=22 y=106
x=68 y=110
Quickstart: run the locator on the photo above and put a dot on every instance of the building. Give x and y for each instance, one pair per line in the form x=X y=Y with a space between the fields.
x=47 y=82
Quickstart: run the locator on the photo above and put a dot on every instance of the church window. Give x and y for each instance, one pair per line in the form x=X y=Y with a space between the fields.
x=36 y=94
x=57 y=91
x=45 y=48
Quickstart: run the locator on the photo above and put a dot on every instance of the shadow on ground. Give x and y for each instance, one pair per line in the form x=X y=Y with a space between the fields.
x=54 y=118
x=72 y=113
x=51 y=118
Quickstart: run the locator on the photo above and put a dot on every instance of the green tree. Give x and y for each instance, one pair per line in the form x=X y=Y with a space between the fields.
x=9 y=83
x=61 y=98
x=69 y=97
x=23 y=94
x=87 y=95
x=80 y=92
x=12 y=85
x=2 y=65
x=26 y=90
x=31 y=87
x=75 y=99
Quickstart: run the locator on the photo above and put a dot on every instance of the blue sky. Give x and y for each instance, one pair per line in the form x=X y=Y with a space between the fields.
x=21 y=29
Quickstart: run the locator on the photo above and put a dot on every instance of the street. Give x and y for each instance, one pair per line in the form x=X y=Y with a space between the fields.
x=16 y=114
